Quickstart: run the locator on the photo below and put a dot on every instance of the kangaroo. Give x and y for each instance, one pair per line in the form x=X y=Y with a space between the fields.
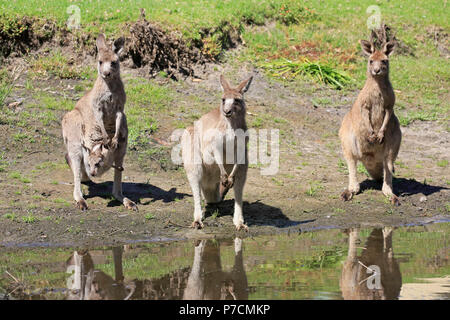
x=208 y=281
x=98 y=118
x=370 y=131
x=203 y=149
x=355 y=283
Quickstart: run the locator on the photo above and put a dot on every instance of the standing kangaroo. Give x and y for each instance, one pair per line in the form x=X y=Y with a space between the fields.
x=204 y=147
x=370 y=131
x=96 y=122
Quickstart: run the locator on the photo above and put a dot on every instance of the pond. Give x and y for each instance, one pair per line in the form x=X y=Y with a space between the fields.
x=377 y=263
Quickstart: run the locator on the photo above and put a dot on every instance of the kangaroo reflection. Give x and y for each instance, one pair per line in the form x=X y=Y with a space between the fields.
x=207 y=280
x=356 y=282
x=87 y=283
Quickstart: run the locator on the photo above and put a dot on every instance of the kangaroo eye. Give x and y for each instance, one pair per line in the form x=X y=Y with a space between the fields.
x=384 y=61
x=100 y=62
x=113 y=64
x=223 y=101
x=371 y=61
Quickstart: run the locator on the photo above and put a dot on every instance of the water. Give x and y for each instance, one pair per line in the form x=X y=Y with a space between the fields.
x=406 y=263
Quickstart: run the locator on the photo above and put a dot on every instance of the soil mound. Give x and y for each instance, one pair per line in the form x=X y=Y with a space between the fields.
x=151 y=47
x=19 y=35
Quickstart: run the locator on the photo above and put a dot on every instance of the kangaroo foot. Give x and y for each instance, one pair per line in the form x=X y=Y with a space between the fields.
x=82 y=205
x=347 y=195
x=197 y=225
x=395 y=200
x=130 y=205
x=242 y=226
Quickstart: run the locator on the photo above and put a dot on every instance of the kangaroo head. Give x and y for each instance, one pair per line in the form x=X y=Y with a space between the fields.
x=108 y=58
x=378 y=62
x=233 y=98
x=97 y=157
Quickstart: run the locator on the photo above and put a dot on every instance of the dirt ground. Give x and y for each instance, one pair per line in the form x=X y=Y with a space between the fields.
x=303 y=195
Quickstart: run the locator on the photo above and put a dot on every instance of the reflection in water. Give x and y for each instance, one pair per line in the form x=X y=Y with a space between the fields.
x=86 y=283
x=315 y=265
x=204 y=281
x=357 y=281
x=207 y=281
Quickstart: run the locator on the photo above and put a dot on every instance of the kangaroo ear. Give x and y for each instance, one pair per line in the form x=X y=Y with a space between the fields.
x=224 y=83
x=389 y=47
x=101 y=42
x=118 y=45
x=367 y=47
x=244 y=85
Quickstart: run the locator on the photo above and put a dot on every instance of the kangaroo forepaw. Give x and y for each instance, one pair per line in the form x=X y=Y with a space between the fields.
x=380 y=137
x=347 y=195
x=226 y=181
x=197 y=225
x=82 y=205
x=372 y=138
x=226 y=184
x=114 y=143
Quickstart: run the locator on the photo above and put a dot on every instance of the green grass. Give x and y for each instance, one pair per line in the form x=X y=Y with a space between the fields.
x=47 y=101
x=18 y=176
x=58 y=65
x=10 y=216
x=3 y=162
x=314 y=188
x=189 y=16
x=442 y=163
x=29 y=218
x=149 y=216
x=324 y=32
x=146 y=101
x=318 y=71
x=361 y=169
x=5 y=86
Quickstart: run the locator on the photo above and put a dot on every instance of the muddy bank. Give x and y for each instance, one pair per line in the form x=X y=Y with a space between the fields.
x=36 y=204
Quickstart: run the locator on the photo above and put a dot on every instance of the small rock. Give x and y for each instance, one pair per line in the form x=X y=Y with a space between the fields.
x=15 y=104
x=423 y=199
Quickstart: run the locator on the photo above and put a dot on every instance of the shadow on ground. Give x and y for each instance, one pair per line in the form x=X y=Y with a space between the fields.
x=255 y=214
x=403 y=187
x=133 y=191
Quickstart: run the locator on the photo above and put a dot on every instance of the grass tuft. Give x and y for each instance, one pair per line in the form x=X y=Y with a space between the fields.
x=319 y=72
